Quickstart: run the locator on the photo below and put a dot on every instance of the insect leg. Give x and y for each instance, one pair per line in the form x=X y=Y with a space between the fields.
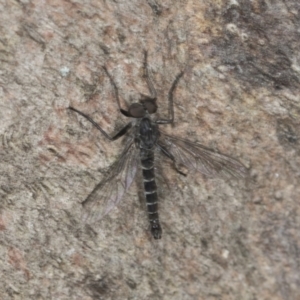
x=113 y=138
x=147 y=77
x=170 y=100
x=124 y=112
x=169 y=155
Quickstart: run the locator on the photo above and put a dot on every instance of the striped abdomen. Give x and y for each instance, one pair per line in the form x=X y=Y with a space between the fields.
x=151 y=193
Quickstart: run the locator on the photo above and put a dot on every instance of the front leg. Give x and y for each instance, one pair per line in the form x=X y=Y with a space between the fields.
x=170 y=101
x=149 y=81
x=112 y=82
x=113 y=138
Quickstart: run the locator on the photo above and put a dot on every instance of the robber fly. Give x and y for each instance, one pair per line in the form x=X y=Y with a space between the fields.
x=144 y=139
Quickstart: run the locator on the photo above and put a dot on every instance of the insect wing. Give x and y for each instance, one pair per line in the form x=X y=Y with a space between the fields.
x=204 y=160
x=109 y=192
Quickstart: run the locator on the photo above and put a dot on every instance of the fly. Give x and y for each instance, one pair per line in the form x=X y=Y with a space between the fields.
x=144 y=139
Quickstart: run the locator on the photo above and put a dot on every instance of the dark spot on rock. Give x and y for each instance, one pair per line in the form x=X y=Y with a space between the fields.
x=98 y=288
x=287 y=133
x=204 y=243
x=155 y=7
x=131 y=284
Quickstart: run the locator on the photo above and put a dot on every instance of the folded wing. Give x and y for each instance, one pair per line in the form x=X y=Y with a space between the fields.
x=197 y=157
x=110 y=191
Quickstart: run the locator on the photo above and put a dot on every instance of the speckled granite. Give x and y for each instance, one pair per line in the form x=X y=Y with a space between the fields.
x=239 y=94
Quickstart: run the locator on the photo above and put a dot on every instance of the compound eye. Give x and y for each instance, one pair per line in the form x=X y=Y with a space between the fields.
x=136 y=110
x=150 y=105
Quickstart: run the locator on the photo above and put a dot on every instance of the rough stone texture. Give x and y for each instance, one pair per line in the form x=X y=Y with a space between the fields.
x=239 y=94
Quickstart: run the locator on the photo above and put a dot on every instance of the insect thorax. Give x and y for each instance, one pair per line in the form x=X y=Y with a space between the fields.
x=146 y=134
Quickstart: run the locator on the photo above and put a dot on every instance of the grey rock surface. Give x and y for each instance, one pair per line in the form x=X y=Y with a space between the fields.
x=226 y=240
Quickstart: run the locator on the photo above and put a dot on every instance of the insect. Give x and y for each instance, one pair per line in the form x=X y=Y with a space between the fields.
x=144 y=140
